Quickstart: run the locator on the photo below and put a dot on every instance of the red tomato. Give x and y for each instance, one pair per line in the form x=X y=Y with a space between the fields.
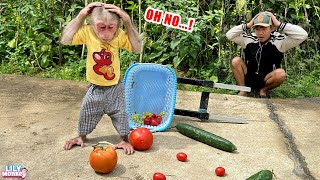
x=141 y=139
x=153 y=115
x=159 y=176
x=220 y=171
x=147 y=120
x=182 y=156
x=159 y=119
x=154 y=122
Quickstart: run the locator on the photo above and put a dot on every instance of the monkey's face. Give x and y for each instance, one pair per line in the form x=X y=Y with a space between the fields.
x=105 y=30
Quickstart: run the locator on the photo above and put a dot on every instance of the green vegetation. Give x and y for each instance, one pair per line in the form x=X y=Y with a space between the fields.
x=30 y=32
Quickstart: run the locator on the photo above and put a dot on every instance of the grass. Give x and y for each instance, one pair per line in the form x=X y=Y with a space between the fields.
x=293 y=87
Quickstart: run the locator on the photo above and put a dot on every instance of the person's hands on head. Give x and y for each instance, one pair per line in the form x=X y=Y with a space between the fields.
x=263 y=26
x=276 y=23
x=87 y=10
x=250 y=24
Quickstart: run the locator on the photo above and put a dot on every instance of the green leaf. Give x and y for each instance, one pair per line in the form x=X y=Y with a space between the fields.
x=184 y=50
x=44 y=61
x=68 y=19
x=193 y=53
x=292 y=5
x=44 y=48
x=161 y=47
x=30 y=32
x=214 y=78
x=176 y=61
x=155 y=55
x=175 y=43
x=41 y=36
x=12 y=43
x=130 y=2
x=183 y=37
x=47 y=41
x=164 y=57
x=59 y=19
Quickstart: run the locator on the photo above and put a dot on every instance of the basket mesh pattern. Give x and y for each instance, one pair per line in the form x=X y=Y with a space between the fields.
x=150 y=88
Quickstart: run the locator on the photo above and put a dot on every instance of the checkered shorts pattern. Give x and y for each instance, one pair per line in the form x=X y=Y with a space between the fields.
x=101 y=100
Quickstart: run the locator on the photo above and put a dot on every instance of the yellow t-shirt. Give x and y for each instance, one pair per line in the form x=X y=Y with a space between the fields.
x=103 y=64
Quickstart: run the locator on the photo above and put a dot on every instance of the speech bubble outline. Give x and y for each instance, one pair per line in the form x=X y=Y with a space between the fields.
x=168 y=19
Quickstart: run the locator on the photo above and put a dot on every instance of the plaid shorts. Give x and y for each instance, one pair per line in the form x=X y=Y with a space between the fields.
x=101 y=100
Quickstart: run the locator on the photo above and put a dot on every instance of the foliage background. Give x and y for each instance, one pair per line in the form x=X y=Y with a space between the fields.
x=30 y=32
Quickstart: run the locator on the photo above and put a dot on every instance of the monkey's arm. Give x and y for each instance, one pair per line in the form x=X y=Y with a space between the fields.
x=133 y=36
x=71 y=29
x=74 y=25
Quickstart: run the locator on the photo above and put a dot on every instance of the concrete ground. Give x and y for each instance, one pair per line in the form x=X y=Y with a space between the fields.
x=38 y=115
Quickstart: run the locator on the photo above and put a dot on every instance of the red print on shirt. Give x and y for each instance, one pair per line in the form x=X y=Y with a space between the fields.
x=103 y=60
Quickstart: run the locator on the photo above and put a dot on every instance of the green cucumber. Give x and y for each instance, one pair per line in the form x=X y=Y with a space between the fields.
x=205 y=137
x=261 y=175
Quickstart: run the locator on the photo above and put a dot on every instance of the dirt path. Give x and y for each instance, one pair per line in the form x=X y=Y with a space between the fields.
x=37 y=115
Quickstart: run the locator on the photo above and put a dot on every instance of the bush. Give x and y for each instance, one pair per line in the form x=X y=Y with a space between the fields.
x=30 y=32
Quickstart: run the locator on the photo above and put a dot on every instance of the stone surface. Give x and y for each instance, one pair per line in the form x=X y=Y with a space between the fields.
x=38 y=115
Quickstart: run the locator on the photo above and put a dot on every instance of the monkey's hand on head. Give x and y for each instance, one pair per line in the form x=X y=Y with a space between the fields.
x=88 y=9
x=121 y=13
x=73 y=26
x=131 y=30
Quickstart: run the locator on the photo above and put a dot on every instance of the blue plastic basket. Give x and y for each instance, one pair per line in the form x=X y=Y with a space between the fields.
x=150 y=88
